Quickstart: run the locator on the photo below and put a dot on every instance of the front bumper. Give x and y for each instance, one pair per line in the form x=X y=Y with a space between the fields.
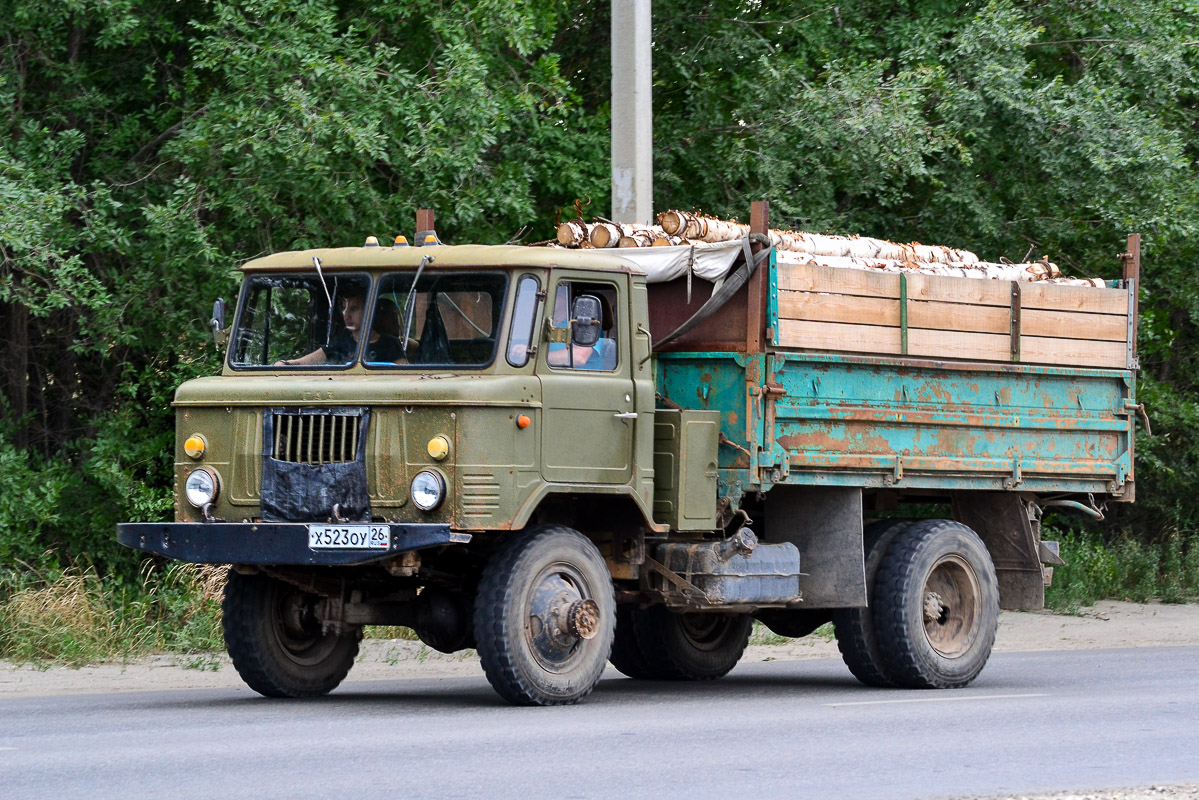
x=275 y=543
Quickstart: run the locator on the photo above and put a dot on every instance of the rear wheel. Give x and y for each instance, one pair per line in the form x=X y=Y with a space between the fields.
x=856 y=636
x=544 y=617
x=937 y=605
x=626 y=654
x=690 y=647
x=277 y=643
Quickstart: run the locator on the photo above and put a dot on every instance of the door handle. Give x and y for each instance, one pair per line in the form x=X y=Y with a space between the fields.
x=626 y=415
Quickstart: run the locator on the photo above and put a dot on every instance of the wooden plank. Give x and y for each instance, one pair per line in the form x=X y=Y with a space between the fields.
x=943 y=288
x=842 y=337
x=1132 y=284
x=837 y=336
x=860 y=282
x=1087 y=299
x=1073 y=325
x=838 y=308
x=755 y=328
x=958 y=344
x=1073 y=352
x=959 y=316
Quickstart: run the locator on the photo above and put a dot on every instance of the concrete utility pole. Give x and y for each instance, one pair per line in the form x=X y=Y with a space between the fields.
x=632 y=112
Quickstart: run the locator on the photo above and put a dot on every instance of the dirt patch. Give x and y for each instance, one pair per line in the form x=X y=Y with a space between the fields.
x=1107 y=625
x=1177 y=792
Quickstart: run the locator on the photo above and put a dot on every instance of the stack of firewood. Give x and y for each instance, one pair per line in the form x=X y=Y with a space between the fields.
x=857 y=252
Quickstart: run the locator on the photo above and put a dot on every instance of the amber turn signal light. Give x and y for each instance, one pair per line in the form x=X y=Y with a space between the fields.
x=523 y=421
x=438 y=447
x=195 y=446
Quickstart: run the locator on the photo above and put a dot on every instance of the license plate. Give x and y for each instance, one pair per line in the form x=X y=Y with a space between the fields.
x=349 y=537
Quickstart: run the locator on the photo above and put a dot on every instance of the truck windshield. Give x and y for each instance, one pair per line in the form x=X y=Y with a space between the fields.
x=448 y=319
x=300 y=321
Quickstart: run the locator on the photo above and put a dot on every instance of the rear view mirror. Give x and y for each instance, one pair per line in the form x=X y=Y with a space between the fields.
x=217 y=323
x=586 y=316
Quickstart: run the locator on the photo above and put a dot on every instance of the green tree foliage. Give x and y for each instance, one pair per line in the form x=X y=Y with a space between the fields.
x=149 y=146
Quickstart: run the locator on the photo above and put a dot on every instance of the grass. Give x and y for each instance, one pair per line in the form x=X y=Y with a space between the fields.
x=1123 y=569
x=764 y=636
x=74 y=616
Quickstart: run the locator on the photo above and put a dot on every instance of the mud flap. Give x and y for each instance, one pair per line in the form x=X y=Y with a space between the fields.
x=1003 y=522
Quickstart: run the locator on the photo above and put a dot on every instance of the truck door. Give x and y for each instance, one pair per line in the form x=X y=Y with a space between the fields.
x=588 y=411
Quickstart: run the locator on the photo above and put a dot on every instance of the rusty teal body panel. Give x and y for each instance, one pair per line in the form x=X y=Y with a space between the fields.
x=893 y=422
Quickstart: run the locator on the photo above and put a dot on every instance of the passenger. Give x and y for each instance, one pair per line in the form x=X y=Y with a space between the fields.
x=600 y=356
x=341 y=347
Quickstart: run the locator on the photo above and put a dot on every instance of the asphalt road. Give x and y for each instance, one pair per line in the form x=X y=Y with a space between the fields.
x=1032 y=722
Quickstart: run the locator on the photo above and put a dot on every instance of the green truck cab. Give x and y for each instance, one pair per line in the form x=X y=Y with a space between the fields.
x=484 y=443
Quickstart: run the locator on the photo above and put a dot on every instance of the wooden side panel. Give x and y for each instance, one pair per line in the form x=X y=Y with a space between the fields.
x=858 y=282
x=836 y=336
x=933 y=316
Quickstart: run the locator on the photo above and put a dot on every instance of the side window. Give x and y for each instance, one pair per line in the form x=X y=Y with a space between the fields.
x=523 y=319
x=560 y=352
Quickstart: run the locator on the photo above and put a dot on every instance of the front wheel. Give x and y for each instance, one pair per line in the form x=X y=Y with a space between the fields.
x=277 y=643
x=937 y=605
x=544 y=617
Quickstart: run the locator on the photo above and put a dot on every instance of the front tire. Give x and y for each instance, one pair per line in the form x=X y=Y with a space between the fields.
x=277 y=644
x=544 y=617
x=937 y=606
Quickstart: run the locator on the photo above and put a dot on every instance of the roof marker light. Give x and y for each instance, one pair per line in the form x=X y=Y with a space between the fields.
x=371 y=241
x=401 y=241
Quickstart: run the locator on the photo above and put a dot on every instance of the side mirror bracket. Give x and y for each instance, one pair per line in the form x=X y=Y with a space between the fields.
x=220 y=329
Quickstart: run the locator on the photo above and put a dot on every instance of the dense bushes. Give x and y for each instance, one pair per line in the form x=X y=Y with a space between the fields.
x=1124 y=569
x=150 y=146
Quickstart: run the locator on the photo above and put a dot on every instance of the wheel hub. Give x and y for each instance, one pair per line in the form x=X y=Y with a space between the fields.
x=934 y=607
x=582 y=619
x=560 y=617
x=951 y=607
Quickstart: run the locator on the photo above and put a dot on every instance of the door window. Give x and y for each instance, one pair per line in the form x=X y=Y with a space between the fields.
x=560 y=352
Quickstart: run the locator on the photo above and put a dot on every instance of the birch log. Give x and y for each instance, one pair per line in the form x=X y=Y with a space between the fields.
x=638 y=238
x=573 y=233
x=1043 y=270
x=710 y=229
x=609 y=234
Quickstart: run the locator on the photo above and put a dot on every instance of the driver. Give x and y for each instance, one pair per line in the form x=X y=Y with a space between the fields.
x=380 y=347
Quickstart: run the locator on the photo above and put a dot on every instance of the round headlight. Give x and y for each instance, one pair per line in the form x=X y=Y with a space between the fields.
x=202 y=487
x=428 y=490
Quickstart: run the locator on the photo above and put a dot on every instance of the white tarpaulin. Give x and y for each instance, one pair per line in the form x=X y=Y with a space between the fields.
x=707 y=260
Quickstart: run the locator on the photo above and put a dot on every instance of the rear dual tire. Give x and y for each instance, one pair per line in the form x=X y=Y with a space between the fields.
x=658 y=644
x=934 y=607
x=937 y=606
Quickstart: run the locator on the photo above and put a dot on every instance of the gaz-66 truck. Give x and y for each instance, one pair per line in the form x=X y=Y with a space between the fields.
x=564 y=458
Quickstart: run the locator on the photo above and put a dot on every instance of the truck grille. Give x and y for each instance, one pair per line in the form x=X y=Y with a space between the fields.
x=316 y=438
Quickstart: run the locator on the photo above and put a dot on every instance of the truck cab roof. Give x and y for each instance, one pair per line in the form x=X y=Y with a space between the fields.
x=468 y=256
